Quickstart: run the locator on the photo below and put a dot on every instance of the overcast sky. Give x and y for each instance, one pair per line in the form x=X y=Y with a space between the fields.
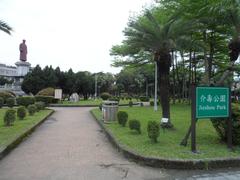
x=75 y=34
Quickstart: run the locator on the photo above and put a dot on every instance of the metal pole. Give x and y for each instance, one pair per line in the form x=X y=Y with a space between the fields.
x=155 y=96
x=229 y=122
x=193 y=117
x=95 y=86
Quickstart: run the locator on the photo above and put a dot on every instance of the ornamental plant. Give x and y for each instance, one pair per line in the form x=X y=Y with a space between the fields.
x=10 y=102
x=153 y=130
x=122 y=118
x=1 y=102
x=9 y=117
x=135 y=125
x=130 y=103
x=32 y=109
x=21 y=112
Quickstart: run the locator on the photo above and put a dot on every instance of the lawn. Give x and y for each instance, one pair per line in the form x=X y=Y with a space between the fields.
x=8 y=134
x=93 y=102
x=208 y=143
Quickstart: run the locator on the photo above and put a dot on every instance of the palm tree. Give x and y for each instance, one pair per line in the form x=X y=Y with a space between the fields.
x=5 y=27
x=155 y=34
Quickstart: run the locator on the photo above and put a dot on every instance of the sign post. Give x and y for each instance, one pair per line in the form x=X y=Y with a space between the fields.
x=210 y=102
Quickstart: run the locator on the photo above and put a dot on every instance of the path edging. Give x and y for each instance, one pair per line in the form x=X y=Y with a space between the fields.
x=168 y=163
x=21 y=137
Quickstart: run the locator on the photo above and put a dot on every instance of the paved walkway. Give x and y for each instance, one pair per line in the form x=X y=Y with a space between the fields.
x=71 y=146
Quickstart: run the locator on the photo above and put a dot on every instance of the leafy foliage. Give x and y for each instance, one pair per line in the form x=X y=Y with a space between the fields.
x=21 y=112
x=32 y=109
x=135 y=125
x=153 y=130
x=11 y=102
x=9 y=117
x=25 y=100
x=122 y=118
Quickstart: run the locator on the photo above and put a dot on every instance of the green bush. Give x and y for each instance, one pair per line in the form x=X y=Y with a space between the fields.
x=10 y=102
x=32 y=109
x=1 y=102
x=9 y=117
x=105 y=96
x=21 y=112
x=55 y=101
x=46 y=99
x=25 y=100
x=220 y=125
x=122 y=118
x=100 y=106
x=46 y=92
x=5 y=95
x=130 y=103
x=114 y=99
x=151 y=103
x=144 y=98
x=153 y=130
x=135 y=125
x=39 y=105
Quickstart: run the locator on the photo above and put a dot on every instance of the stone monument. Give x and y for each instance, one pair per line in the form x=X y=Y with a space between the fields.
x=23 y=66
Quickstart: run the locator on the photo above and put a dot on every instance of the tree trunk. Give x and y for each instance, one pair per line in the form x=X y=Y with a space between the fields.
x=174 y=79
x=163 y=63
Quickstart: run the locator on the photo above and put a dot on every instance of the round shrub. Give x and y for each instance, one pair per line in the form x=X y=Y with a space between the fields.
x=130 y=103
x=32 y=109
x=39 y=105
x=135 y=125
x=9 y=117
x=10 y=102
x=105 y=96
x=1 y=102
x=122 y=118
x=153 y=130
x=21 y=112
x=46 y=92
x=25 y=100
x=151 y=103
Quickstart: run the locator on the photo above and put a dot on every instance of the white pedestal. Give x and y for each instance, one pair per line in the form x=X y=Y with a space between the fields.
x=22 y=68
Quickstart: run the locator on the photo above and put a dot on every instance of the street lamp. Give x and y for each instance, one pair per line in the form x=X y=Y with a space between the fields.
x=155 y=95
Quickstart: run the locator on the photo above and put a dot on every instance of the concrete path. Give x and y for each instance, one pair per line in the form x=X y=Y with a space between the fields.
x=71 y=146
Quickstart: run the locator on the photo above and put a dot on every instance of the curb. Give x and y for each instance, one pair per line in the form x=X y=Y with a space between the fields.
x=202 y=164
x=21 y=137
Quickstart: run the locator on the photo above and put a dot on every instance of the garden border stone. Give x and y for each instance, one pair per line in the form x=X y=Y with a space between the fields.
x=20 y=138
x=214 y=163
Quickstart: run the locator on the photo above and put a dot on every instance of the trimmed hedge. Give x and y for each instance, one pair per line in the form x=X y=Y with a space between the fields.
x=40 y=105
x=45 y=99
x=25 y=100
x=10 y=102
x=46 y=92
x=5 y=95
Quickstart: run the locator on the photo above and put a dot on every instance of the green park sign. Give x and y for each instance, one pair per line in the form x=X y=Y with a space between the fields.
x=212 y=102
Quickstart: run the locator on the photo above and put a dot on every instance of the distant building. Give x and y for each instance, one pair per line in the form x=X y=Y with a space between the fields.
x=15 y=74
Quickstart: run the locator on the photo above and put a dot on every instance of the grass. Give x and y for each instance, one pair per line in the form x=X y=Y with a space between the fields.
x=8 y=134
x=208 y=142
x=93 y=102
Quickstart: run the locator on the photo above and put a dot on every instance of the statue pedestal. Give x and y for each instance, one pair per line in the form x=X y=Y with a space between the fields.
x=22 y=68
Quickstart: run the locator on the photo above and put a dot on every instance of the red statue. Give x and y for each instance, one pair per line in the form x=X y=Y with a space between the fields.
x=23 y=51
